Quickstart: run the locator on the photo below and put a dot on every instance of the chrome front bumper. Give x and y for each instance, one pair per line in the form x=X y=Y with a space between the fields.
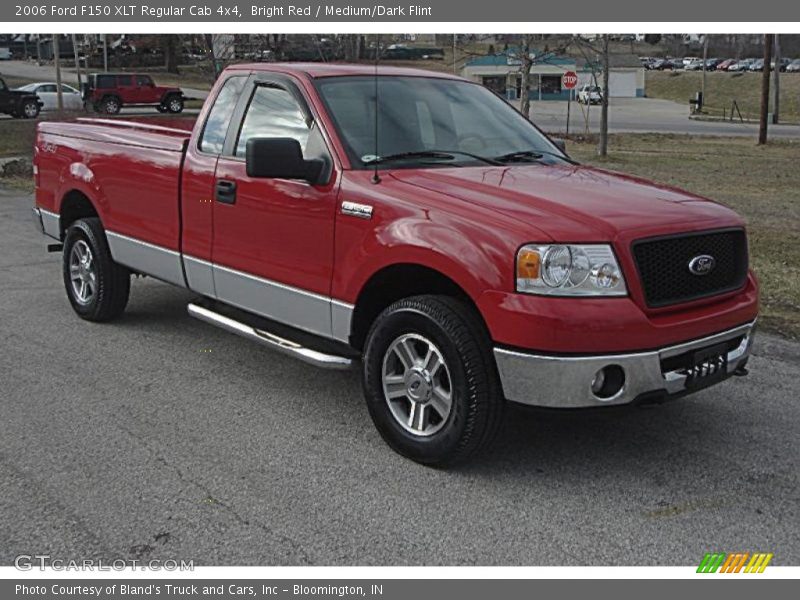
x=566 y=381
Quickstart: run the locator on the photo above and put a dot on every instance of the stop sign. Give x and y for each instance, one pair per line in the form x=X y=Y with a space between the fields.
x=569 y=79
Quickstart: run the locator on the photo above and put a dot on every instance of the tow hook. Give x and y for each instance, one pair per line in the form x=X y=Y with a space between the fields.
x=741 y=371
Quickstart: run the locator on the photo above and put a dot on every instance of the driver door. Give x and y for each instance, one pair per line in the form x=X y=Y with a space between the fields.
x=272 y=246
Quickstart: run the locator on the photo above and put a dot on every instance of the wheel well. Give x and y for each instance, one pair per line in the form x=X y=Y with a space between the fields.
x=74 y=206
x=392 y=284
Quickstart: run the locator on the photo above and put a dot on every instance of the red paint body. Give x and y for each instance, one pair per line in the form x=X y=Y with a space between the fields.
x=465 y=223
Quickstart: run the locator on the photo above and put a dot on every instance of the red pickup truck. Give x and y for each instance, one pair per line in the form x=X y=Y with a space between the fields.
x=440 y=242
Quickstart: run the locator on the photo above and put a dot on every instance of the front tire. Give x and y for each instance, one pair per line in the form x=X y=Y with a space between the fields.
x=97 y=287
x=30 y=109
x=430 y=380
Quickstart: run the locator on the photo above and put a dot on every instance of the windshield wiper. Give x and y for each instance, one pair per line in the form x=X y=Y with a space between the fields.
x=528 y=155
x=433 y=154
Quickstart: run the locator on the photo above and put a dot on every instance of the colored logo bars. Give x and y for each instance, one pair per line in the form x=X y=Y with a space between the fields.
x=734 y=562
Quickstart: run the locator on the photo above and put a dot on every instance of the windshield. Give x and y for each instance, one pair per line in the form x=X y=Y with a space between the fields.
x=428 y=121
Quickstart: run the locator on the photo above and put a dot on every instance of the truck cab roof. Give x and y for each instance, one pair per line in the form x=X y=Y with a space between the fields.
x=319 y=70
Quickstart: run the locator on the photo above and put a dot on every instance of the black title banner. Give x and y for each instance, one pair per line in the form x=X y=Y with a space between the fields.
x=435 y=11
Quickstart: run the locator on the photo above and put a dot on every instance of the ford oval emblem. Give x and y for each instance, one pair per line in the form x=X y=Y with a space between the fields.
x=702 y=265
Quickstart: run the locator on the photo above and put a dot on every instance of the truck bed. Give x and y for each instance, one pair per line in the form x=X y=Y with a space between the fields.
x=131 y=168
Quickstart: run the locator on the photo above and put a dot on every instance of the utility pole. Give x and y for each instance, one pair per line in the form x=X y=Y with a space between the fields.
x=57 y=63
x=762 y=126
x=776 y=101
x=105 y=53
x=705 y=58
x=77 y=59
x=602 y=148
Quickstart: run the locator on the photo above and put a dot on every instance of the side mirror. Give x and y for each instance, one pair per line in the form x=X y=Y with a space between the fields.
x=280 y=158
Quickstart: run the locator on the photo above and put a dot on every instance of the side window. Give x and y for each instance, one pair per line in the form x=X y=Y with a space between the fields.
x=273 y=112
x=105 y=81
x=144 y=81
x=124 y=80
x=216 y=126
x=47 y=89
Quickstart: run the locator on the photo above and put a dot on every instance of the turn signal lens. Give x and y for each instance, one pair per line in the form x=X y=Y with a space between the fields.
x=528 y=263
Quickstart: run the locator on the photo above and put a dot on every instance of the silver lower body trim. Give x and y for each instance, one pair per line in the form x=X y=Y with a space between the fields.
x=282 y=345
x=48 y=223
x=298 y=308
x=146 y=258
x=565 y=381
x=200 y=276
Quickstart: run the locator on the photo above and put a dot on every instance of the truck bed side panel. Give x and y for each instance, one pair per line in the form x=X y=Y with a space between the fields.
x=131 y=178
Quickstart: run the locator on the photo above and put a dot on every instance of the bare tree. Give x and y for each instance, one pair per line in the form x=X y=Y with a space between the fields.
x=169 y=45
x=526 y=63
x=601 y=56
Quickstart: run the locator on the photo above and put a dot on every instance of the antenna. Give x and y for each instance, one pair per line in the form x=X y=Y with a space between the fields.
x=376 y=178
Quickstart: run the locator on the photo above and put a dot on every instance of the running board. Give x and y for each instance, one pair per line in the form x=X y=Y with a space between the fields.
x=270 y=340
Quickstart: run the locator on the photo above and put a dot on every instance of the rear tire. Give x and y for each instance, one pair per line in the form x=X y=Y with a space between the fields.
x=97 y=287
x=430 y=380
x=111 y=105
x=174 y=104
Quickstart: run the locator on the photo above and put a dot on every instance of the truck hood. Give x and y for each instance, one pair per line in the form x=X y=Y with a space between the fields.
x=572 y=202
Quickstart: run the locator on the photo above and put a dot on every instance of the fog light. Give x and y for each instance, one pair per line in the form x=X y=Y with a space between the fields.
x=608 y=382
x=598 y=381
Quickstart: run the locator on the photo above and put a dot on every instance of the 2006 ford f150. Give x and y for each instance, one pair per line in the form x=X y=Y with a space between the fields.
x=456 y=254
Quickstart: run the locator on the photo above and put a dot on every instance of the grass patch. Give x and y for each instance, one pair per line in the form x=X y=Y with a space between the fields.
x=761 y=183
x=722 y=88
x=17 y=137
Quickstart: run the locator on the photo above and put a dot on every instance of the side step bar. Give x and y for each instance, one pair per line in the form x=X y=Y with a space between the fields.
x=313 y=357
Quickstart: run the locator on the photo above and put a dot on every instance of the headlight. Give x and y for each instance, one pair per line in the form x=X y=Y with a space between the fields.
x=569 y=270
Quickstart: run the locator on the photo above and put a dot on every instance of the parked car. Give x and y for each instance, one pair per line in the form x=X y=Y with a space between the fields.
x=457 y=276
x=590 y=94
x=109 y=92
x=658 y=64
x=18 y=104
x=677 y=63
x=48 y=94
x=784 y=62
x=741 y=65
x=687 y=60
x=756 y=65
x=794 y=66
x=694 y=65
x=6 y=54
x=711 y=63
x=723 y=65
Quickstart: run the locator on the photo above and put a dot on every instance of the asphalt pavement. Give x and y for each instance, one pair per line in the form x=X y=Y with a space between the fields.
x=162 y=437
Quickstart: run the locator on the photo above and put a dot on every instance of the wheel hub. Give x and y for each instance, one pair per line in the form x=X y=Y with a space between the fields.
x=419 y=384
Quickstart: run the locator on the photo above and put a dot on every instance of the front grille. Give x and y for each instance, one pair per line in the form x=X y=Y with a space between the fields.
x=663 y=265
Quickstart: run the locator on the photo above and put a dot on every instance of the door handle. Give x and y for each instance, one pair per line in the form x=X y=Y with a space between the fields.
x=225 y=191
